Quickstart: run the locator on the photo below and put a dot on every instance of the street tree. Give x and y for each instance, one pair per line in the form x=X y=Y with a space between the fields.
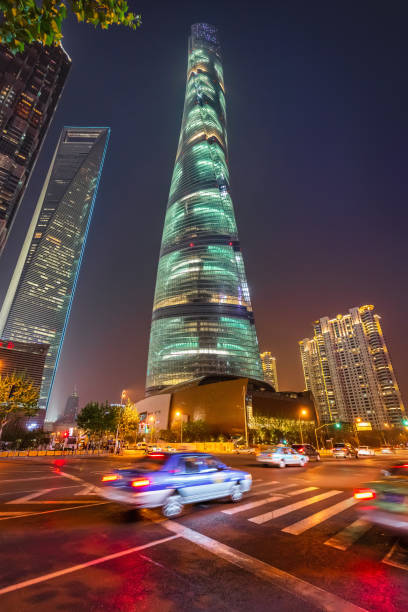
x=18 y=397
x=97 y=419
x=27 y=21
x=127 y=420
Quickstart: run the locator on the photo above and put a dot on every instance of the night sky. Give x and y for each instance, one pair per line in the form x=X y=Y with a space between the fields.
x=317 y=100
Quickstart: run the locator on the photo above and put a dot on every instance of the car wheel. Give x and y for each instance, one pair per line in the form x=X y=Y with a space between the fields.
x=173 y=506
x=282 y=463
x=302 y=462
x=317 y=457
x=236 y=493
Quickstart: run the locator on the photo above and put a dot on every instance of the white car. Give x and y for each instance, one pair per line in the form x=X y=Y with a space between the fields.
x=281 y=456
x=242 y=449
x=365 y=451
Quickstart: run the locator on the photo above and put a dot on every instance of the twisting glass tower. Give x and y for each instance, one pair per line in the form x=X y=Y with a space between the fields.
x=202 y=320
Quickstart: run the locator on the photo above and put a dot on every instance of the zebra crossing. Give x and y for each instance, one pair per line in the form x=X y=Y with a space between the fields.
x=279 y=504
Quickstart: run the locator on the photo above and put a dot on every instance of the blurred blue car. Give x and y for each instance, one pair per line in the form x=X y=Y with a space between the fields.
x=171 y=480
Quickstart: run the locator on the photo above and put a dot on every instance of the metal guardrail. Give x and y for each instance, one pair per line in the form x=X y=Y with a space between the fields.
x=52 y=453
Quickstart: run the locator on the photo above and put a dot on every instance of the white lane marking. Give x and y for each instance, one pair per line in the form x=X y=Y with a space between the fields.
x=319 y=517
x=322 y=599
x=248 y=506
x=266 y=500
x=26 y=498
x=346 y=537
x=389 y=561
x=268 y=516
x=81 y=566
x=265 y=484
x=51 y=476
x=13 y=513
x=72 y=477
x=44 y=502
x=26 y=514
x=32 y=490
x=88 y=490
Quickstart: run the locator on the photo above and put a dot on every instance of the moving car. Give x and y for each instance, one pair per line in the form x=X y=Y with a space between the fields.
x=365 y=451
x=345 y=450
x=386 y=450
x=308 y=450
x=171 y=480
x=385 y=501
x=281 y=456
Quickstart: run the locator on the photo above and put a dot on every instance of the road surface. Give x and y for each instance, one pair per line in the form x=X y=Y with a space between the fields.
x=294 y=543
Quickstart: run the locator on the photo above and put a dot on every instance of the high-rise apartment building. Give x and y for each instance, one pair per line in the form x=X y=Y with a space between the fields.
x=348 y=368
x=202 y=320
x=269 y=369
x=31 y=84
x=39 y=298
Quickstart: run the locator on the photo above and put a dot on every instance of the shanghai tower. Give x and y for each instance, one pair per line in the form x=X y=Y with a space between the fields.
x=202 y=322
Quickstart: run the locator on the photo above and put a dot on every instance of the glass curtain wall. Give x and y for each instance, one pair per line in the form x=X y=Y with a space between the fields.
x=202 y=320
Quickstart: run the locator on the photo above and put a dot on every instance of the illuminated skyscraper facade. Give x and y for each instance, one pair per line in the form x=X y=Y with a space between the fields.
x=269 y=369
x=348 y=368
x=39 y=298
x=202 y=320
x=31 y=84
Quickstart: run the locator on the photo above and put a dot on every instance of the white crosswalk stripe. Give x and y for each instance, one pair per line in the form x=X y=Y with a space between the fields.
x=346 y=537
x=319 y=517
x=268 y=516
x=27 y=498
x=265 y=484
x=266 y=500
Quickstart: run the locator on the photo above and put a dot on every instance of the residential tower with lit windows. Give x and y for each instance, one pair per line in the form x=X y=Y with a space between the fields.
x=31 y=84
x=202 y=321
x=269 y=369
x=348 y=368
x=40 y=294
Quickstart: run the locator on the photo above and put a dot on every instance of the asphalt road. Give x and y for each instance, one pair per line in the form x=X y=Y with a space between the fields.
x=292 y=544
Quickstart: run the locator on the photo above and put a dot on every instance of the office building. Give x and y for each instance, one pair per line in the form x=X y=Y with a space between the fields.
x=31 y=84
x=71 y=408
x=202 y=321
x=269 y=369
x=22 y=358
x=348 y=368
x=39 y=298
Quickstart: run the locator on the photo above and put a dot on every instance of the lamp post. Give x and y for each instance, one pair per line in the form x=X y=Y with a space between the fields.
x=303 y=413
x=122 y=399
x=179 y=415
x=152 y=421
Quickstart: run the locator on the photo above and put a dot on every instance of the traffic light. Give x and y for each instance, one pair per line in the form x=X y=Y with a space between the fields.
x=66 y=434
x=337 y=425
x=405 y=422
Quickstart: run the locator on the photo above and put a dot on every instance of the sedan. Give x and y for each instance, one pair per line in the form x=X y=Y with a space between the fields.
x=171 y=480
x=385 y=501
x=308 y=450
x=281 y=456
x=365 y=451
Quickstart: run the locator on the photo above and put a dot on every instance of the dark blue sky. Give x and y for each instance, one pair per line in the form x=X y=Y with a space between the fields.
x=317 y=102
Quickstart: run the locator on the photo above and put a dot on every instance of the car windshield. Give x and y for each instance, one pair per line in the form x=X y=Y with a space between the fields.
x=339 y=446
x=273 y=449
x=150 y=463
x=296 y=446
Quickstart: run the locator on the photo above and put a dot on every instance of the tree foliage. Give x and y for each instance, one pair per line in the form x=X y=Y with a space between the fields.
x=26 y=21
x=97 y=419
x=127 y=420
x=18 y=397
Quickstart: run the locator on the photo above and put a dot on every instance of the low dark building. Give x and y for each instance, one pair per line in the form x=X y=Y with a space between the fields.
x=220 y=402
x=23 y=358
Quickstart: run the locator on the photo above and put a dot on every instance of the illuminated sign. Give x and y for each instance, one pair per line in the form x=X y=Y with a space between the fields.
x=363 y=426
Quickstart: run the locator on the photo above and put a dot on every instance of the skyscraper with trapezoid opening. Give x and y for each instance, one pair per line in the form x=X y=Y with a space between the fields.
x=202 y=321
x=40 y=295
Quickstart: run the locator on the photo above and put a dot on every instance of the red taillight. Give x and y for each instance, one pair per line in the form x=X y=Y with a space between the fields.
x=270 y=455
x=301 y=450
x=140 y=482
x=161 y=455
x=364 y=494
x=110 y=477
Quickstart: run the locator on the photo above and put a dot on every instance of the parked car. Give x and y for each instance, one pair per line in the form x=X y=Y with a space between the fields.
x=308 y=450
x=171 y=480
x=281 y=456
x=386 y=450
x=141 y=446
x=385 y=500
x=243 y=449
x=365 y=451
x=344 y=450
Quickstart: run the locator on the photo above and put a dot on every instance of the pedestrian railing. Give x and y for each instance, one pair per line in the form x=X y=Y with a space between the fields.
x=53 y=453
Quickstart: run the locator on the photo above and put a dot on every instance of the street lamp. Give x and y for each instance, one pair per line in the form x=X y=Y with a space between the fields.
x=303 y=413
x=152 y=421
x=122 y=398
x=179 y=416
